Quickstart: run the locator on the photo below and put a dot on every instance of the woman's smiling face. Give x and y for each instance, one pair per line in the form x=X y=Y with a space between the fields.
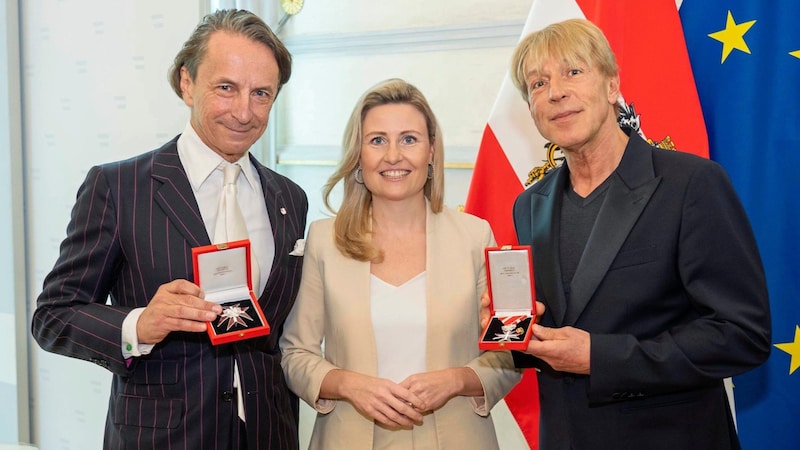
x=395 y=152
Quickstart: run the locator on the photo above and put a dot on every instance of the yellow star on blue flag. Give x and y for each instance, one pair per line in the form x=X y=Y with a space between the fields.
x=732 y=37
x=793 y=349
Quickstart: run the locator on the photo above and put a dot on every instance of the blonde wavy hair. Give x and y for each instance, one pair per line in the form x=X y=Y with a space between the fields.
x=353 y=222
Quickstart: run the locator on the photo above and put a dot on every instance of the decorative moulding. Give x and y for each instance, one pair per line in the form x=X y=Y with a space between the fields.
x=411 y=40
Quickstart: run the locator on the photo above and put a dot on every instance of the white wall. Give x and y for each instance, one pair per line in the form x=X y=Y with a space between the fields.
x=13 y=319
x=95 y=90
x=455 y=51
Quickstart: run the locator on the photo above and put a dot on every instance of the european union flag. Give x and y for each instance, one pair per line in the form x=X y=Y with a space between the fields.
x=745 y=55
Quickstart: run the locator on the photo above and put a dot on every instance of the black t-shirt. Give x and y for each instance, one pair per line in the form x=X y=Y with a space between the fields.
x=578 y=215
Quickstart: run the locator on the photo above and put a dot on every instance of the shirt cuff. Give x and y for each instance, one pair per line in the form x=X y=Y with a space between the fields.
x=130 y=339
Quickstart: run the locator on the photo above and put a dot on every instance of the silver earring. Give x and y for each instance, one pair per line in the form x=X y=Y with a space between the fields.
x=430 y=170
x=358 y=176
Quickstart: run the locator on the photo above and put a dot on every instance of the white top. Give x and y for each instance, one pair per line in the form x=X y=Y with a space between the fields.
x=399 y=320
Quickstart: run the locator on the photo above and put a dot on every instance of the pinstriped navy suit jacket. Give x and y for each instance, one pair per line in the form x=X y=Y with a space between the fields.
x=132 y=229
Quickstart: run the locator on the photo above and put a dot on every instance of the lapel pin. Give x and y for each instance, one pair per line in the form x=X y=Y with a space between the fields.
x=283 y=211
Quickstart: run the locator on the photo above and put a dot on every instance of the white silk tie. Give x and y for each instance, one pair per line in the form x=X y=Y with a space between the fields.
x=230 y=221
x=231 y=227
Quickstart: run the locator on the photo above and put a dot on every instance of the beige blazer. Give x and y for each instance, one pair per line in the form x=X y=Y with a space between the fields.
x=334 y=305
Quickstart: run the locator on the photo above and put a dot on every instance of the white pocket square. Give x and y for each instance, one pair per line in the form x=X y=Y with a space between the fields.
x=299 y=248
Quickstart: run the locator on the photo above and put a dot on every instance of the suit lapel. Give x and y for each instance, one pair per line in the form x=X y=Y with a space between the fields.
x=546 y=203
x=279 y=213
x=627 y=197
x=436 y=257
x=173 y=194
x=351 y=299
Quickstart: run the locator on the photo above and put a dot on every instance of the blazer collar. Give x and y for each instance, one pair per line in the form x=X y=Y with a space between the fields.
x=625 y=200
x=546 y=203
x=173 y=194
x=281 y=218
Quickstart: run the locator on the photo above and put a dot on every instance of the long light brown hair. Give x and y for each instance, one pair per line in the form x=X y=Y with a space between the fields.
x=353 y=221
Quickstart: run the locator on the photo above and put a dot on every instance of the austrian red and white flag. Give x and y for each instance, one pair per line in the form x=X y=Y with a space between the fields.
x=647 y=39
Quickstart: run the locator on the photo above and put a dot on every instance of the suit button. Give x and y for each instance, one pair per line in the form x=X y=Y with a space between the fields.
x=227 y=396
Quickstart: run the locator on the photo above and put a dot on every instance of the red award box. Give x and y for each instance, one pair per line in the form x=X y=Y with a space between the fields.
x=223 y=272
x=509 y=276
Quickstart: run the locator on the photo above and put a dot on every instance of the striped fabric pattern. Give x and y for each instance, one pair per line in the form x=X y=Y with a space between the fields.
x=132 y=229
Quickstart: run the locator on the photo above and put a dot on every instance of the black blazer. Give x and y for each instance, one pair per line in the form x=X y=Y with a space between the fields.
x=671 y=289
x=132 y=229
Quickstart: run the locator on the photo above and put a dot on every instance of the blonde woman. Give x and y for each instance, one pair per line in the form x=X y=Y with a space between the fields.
x=392 y=286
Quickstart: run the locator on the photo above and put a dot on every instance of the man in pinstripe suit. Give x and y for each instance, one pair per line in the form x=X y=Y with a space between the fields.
x=129 y=240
